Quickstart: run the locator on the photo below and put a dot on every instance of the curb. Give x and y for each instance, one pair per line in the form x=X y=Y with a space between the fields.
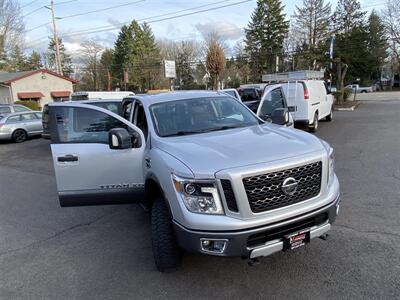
x=350 y=108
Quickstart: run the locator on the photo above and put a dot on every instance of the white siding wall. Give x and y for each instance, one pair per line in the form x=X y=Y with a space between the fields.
x=41 y=82
x=5 y=97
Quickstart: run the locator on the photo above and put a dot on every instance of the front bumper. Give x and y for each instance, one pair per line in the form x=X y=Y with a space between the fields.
x=263 y=240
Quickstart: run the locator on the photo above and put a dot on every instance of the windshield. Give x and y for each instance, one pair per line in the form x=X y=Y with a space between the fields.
x=200 y=115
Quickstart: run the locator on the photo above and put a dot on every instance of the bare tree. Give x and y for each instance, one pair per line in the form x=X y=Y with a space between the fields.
x=215 y=59
x=91 y=55
x=11 y=26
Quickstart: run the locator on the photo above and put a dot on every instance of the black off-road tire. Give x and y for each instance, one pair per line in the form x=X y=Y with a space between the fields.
x=329 y=117
x=19 y=136
x=315 y=124
x=167 y=254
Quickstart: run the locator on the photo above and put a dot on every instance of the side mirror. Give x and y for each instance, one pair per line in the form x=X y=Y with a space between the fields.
x=280 y=116
x=119 y=138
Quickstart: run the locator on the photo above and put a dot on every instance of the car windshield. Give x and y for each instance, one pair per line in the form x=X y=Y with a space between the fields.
x=200 y=115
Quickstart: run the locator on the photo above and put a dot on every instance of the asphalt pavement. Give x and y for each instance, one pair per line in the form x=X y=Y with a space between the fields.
x=48 y=252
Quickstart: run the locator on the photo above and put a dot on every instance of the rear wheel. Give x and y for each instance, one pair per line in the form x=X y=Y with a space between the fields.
x=315 y=124
x=330 y=116
x=167 y=254
x=19 y=136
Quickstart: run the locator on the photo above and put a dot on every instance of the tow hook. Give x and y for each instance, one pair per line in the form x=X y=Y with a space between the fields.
x=324 y=236
x=253 y=262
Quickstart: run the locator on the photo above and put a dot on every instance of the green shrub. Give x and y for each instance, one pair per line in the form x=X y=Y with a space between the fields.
x=29 y=103
x=346 y=95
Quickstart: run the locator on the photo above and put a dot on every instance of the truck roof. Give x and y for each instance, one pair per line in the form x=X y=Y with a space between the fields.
x=175 y=96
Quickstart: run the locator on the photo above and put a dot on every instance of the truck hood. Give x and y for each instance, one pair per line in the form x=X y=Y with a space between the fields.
x=207 y=153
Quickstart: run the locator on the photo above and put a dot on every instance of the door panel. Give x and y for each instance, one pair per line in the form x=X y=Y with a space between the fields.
x=87 y=171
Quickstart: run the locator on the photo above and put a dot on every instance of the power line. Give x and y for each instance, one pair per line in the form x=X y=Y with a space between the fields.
x=100 y=10
x=123 y=23
x=113 y=27
x=33 y=11
x=23 y=6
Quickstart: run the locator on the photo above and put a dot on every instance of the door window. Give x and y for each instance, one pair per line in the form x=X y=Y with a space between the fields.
x=83 y=125
x=28 y=117
x=5 y=110
x=272 y=101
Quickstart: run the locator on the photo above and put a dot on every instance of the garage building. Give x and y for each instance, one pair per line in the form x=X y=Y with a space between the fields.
x=43 y=86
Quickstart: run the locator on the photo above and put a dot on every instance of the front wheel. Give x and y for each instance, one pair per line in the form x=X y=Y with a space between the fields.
x=315 y=124
x=167 y=255
x=329 y=117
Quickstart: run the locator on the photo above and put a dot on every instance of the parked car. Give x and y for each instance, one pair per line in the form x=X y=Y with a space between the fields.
x=273 y=103
x=232 y=92
x=217 y=179
x=114 y=105
x=251 y=97
x=19 y=126
x=310 y=101
x=78 y=96
x=360 y=89
x=12 y=108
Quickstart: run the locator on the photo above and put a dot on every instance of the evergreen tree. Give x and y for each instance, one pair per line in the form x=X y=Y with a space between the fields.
x=66 y=61
x=377 y=43
x=16 y=61
x=311 y=25
x=347 y=16
x=265 y=35
x=136 y=51
x=34 y=61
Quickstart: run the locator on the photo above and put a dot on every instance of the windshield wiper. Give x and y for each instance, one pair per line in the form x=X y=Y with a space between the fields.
x=186 y=132
x=183 y=132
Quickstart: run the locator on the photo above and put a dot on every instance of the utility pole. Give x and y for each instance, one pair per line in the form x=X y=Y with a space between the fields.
x=57 y=57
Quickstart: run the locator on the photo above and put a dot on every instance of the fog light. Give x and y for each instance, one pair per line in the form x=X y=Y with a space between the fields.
x=216 y=246
x=337 y=209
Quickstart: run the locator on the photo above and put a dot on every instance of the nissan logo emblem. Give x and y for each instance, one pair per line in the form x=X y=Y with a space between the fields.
x=289 y=186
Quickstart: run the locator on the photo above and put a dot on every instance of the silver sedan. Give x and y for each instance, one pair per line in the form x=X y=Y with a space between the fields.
x=19 y=126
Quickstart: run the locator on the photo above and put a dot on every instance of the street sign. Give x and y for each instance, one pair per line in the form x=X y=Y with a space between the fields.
x=169 y=67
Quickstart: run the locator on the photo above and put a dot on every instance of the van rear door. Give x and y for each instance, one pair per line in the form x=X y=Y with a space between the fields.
x=294 y=93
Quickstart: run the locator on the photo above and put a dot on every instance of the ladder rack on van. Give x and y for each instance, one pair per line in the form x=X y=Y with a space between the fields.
x=296 y=75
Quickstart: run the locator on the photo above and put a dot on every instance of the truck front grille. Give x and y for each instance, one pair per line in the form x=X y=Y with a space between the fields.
x=264 y=192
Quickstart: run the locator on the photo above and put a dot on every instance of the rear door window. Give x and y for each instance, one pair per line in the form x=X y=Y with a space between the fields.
x=13 y=119
x=5 y=110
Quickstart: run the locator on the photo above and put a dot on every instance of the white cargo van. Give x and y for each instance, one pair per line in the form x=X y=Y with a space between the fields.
x=100 y=95
x=309 y=99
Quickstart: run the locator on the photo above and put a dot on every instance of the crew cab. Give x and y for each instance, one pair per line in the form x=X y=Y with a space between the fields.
x=217 y=179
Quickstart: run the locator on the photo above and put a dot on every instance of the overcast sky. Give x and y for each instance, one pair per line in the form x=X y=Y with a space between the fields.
x=228 y=22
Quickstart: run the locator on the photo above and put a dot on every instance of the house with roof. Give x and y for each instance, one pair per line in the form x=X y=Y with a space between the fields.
x=43 y=86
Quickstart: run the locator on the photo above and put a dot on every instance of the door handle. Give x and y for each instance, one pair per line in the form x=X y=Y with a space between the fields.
x=67 y=158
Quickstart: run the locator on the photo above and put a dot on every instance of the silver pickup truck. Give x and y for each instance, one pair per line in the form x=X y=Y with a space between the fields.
x=217 y=179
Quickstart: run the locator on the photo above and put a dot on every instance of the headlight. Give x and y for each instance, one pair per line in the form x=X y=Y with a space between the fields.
x=331 y=160
x=199 y=196
x=331 y=170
